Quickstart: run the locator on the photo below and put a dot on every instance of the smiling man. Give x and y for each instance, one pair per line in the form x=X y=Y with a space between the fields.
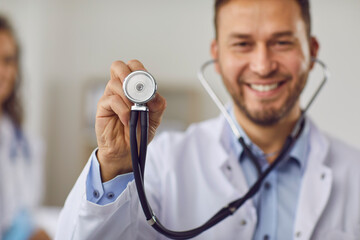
x=264 y=51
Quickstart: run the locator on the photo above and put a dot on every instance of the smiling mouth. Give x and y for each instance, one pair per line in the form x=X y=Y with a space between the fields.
x=265 y=87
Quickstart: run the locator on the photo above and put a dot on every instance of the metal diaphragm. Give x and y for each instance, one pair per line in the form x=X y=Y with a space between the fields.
x=139 y=87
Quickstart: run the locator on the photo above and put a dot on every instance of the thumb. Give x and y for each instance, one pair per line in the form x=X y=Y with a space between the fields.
x=156 y=107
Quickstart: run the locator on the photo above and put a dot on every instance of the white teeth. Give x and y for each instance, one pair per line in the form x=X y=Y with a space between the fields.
x=264 y=88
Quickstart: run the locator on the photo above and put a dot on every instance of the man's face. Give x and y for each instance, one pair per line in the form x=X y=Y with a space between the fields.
x=264 y=57
x=8 y=65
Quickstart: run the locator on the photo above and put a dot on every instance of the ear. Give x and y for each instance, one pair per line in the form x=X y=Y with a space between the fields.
x=215 y=54
x=314 y=49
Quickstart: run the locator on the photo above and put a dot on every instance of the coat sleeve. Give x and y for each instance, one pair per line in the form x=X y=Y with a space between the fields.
x=121 y=219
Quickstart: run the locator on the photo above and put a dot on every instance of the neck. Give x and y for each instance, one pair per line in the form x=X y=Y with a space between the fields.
x=270 y=139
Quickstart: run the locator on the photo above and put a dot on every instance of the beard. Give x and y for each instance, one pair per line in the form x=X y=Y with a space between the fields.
x=270 y=115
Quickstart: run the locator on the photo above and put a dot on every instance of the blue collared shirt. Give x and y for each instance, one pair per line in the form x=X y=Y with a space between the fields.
x=276 y=202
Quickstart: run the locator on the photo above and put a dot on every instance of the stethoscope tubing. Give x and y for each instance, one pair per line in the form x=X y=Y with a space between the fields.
x=19 y=146
x=138 y=162
x=139 y=158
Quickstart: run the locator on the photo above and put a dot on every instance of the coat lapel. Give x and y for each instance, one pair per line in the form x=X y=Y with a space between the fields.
x=229 y=163
x=229 y=166
x=315 y=188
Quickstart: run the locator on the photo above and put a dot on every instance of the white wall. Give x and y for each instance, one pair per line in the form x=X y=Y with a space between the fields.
x=68 y=43
x=336 y=24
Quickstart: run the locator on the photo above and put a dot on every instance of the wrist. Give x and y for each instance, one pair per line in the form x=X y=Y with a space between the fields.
x=112 y=167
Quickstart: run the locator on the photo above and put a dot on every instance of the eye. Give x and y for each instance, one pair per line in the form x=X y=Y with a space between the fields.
x=283 y=44
x=242 y=46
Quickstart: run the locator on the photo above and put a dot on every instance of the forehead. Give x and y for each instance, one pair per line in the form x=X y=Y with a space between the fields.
x=260 y=17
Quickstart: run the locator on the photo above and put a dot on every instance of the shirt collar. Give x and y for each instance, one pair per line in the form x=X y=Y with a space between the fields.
x=299 y=152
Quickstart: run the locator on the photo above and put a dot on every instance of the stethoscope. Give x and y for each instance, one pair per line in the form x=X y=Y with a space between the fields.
x=19 y=146
x=140 y=87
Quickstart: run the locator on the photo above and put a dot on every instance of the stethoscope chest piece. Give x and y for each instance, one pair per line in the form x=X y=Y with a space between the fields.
x=139 y=87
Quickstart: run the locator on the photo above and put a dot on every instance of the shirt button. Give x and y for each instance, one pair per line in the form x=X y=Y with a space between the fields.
x=110 y=195
x=267 y=185
x=96 y=194
x=266 y=237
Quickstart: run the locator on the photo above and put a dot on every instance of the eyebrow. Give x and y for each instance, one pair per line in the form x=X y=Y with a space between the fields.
x=276 y=35
x=240 y=35
x=283 y=34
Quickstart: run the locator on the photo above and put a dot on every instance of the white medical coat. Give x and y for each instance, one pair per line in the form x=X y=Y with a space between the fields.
x=21 y=175
x=190 y=176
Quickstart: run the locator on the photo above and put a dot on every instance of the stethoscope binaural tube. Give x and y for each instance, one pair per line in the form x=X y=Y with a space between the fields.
x=139 y=158
x=297 y=129
x=220 y=105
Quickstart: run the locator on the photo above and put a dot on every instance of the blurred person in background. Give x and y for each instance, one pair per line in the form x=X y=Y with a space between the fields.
x=21 y=157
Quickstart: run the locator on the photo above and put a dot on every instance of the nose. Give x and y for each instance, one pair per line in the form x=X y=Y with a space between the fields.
x=262 y=63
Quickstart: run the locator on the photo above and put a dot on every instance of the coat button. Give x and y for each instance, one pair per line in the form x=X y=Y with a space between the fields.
x=243 y=222
x=96 y=194
x=298 y=234
x=266 y=237
x=323 y=176
x=267 y=185
x=110 y=195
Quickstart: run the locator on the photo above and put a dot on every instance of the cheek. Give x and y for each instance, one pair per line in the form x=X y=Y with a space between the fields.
x=8 y=83
x=11 y=77
x=295 y=64
x=232 y=68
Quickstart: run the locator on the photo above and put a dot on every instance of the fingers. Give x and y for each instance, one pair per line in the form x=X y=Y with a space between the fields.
x=158 y=104
x=114 y=104
x=157 y=107
x=119 y=71
x=135 y=65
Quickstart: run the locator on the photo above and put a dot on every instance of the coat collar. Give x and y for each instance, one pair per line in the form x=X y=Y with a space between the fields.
x=316 y=183
x=230 y=149
x=6 y=129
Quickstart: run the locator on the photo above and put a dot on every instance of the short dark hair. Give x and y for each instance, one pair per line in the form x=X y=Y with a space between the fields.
x=12 y=105
x=304 y=6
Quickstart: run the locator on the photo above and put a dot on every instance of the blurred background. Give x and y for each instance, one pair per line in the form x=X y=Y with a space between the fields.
x=68 y=47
